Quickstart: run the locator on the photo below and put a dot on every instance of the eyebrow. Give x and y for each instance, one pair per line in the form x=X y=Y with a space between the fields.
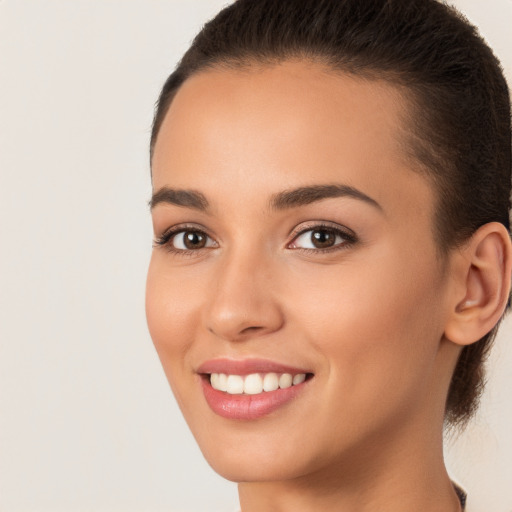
x=179 y=197
x=281 y=201
x=307 y=195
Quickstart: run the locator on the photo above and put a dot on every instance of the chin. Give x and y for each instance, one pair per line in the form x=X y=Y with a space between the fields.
x=253 y=455
x=246 y=469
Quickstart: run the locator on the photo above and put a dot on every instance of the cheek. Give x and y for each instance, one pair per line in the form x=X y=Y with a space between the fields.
x=376 y=326
x=171 y=312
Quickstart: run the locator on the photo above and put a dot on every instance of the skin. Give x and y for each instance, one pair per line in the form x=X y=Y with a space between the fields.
x=368 y=318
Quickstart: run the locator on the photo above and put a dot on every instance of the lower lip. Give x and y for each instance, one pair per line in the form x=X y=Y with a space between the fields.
x=248 y=407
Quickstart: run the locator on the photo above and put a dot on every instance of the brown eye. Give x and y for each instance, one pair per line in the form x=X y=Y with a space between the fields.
x=194 y=240
x=190 y=240
x=322 y=238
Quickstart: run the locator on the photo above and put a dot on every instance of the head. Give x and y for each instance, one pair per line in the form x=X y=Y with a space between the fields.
x=447 y=112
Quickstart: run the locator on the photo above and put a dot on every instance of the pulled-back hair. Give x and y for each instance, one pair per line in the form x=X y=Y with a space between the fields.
x=459 y=107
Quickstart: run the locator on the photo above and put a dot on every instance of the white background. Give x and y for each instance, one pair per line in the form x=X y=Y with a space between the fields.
x=87 y=421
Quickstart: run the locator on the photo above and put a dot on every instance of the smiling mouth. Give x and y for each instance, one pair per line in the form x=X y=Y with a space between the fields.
x=251 y=396
x=255 y=383
x=249 y=389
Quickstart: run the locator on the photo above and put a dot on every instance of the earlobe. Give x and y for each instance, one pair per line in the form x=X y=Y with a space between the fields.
x=483 y=284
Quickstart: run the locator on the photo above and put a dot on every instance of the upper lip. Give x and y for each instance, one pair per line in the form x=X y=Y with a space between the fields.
x=247 y=366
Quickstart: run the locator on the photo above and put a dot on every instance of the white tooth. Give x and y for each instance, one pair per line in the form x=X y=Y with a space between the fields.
x=300 y=377
x=214 y=380
x=285 y=381
x=235 y=385
x=222 y=382
x=253 y=384
x=270 y=382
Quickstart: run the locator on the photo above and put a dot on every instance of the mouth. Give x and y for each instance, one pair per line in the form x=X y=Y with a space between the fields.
x=250 y=389
x=255 y=383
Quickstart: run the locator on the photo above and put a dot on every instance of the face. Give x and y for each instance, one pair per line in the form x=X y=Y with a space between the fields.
x=294 y=243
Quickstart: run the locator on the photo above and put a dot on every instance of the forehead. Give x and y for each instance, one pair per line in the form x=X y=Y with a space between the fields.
x=262 y=127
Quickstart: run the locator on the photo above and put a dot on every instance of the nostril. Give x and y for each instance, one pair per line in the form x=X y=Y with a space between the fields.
x=251 y=329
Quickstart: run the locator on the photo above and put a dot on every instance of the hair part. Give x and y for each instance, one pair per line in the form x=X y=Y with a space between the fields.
x=458 y=121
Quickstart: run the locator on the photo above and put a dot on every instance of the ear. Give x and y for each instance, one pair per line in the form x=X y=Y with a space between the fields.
x=481 y=278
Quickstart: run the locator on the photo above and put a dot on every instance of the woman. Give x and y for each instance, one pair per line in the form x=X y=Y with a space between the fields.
x=331 y=184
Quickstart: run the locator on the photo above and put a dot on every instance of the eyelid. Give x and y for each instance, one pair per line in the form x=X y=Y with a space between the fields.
x=347 y=234
x=164 y=240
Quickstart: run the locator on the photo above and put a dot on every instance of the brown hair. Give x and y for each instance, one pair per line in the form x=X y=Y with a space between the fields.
x=459 y=125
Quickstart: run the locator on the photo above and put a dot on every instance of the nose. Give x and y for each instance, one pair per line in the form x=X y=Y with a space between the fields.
x=243 y=302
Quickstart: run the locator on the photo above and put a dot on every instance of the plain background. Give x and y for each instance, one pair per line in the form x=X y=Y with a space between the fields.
x=87 y=421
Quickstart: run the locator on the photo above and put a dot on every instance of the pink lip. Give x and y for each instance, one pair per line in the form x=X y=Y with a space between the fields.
x=247 y=407
x=246 y=367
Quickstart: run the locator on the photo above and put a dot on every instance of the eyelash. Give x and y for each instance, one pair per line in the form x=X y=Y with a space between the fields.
x=348 y=236
x=166 y=238
x=349 y=239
